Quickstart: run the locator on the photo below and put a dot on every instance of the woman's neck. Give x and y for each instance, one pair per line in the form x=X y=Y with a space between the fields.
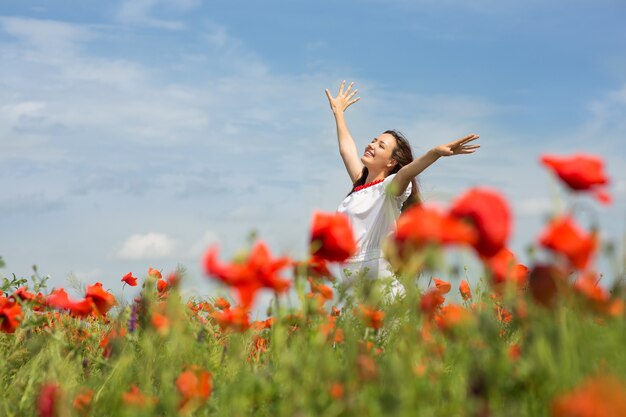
x=374 y=176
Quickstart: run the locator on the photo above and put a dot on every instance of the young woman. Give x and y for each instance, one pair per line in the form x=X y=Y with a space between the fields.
x=383 y=183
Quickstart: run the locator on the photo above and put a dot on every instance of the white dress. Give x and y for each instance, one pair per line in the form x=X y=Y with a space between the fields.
x=372 y=212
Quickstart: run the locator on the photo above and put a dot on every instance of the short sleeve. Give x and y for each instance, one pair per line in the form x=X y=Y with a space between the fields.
x=402 y=197
x=405 y=195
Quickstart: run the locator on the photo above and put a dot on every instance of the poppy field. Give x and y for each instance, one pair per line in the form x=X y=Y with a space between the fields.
x=543 y=339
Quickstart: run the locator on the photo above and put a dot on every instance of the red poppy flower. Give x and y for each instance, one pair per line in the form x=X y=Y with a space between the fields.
x=160 y=322
x=431 y=301
x=221 y=303
x=331 y=237
x=324 y=290
x=505 y=268
x=82 y=308
x=10 y=315
x=465 y=290
x=422 y=224
x=236 y=318
x=23 y=294
x=452 y=316
x=490 y=214
x=336 y=390
x=154 y=273
x=502 y=314
x=563 y=236
x=130 y=279
x=102 y=299
x=162 y=286
x=258 y=271
x=173 y=279
x=314 y=267
x=588 y=285
x=48 y=399
x=372 y=317
x=82 y=401
x=59 y=299
x=263 y=324
x=514 y=352
x=443 y=286
x=598 y=396
x=367 y=367
x=580 y=172
x=134 y=397
x=195 y=386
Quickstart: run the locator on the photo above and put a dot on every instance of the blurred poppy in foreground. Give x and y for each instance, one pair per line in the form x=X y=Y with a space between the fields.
x=598 y=396
x=48 y=400
x=504 y=268
x=452 y=316
x=563 y=236
x=431 y=301
x=102 y=299
x=580 y=172
x=236 y=318
x=372 y=317
x=134 y=397
x=59 y=299
x=588 y=285
x=422 y=224
x=247 y=277
x=194 y=386
x=490 y=214
x=331 y=237
x=82 y=401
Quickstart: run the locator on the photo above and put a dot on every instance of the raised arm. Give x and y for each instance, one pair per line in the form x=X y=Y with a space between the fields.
x=347 y=147
x=412 y=170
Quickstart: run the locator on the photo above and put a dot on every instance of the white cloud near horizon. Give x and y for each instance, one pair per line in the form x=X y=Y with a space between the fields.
x=149 y=246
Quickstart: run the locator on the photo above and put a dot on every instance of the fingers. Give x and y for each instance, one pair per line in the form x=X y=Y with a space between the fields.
x=466 y=149
x=349 y=88
x=343 y=83
x=353 y=101
x=469 y=138
x=352 y=94
x=463 y=141
x=328 y=94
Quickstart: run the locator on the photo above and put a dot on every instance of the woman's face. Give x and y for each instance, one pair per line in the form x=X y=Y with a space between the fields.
x=377 y=155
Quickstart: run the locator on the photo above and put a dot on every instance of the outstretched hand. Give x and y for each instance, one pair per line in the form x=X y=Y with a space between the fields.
x=458 y=147
x=343 y=100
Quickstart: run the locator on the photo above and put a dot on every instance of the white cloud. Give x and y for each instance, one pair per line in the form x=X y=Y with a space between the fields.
x=146 y=246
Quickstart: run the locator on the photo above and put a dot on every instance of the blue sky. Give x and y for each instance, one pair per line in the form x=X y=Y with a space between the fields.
x=135 y=133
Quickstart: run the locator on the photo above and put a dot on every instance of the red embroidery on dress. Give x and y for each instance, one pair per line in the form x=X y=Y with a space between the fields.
x=360 y=187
